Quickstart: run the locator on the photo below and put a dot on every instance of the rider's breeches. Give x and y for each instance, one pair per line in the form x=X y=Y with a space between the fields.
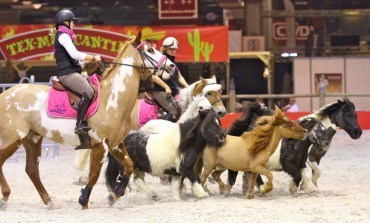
x=77 y=83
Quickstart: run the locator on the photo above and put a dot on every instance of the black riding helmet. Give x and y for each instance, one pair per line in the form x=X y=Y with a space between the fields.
x=64 y=15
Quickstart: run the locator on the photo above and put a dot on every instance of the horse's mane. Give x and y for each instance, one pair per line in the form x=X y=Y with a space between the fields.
x=241 y=124
x=307 y=122
x=262 y=132
x=113 y=68
x=192 y=109
x=326 y=110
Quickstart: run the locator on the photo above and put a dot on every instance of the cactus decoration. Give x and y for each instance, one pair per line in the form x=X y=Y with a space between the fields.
x=200 y=47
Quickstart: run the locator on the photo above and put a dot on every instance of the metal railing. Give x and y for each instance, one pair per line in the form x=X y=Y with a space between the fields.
x=231 y=98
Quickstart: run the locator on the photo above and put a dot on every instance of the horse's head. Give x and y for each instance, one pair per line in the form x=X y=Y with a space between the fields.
x=250 y=112
x=345 y=117
x=213 y=92
x=152 y=60
x=288 y=128
x=210 y=128
x=317 y=133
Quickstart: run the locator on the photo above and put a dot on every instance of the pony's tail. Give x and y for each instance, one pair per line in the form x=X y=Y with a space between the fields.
x=111 y=172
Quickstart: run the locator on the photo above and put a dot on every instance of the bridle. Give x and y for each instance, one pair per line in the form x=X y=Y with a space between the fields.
x=155 y=65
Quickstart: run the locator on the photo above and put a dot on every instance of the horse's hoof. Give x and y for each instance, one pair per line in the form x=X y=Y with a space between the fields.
x=3 y=205
x=250 y=197
x=111 y=200
x=156 y=197
x=50 y=205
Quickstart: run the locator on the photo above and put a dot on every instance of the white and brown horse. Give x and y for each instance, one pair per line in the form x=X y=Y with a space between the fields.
x=24 y=120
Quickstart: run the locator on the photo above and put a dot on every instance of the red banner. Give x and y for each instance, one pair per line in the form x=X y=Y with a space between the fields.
x=197 y=43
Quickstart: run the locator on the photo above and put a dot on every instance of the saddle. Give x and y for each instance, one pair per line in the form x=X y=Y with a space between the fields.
x=63 y=103
x=150 y=108
x=74 y=98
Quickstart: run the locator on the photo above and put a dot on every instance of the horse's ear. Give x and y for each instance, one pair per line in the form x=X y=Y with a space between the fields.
x=278 y=112
x=138 y=38
x=214 y=77
x=204 y=81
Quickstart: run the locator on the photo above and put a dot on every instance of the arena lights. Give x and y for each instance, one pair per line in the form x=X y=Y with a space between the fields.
x=289 y=54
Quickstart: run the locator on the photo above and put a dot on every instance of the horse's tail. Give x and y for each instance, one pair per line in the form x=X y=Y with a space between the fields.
x=111 y=172
x=80 y=159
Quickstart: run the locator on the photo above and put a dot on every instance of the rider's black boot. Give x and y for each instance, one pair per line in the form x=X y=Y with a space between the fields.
x=81 y=124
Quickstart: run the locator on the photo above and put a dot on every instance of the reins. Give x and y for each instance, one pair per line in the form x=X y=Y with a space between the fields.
x=155 y=64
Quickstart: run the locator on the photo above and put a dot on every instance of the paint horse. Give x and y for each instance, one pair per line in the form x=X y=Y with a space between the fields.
x=251 y=151
x=170 y=152
x=24 y=119
x=340 y=114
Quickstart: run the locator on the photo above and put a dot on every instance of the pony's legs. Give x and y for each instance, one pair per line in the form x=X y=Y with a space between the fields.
x=252 y=183
x=267 y=187
x=259 y=182
x=121 y=155
x=4 y=155
x=295 y=173
x=224 y=188
x=316 y=172
x=139 y=181
x=32 y=144
x=209 y=162
x=81 y=162
x=175 y=187
x=307 y=185
x=187 y=169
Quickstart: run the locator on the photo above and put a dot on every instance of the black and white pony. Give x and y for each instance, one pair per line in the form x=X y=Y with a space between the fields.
x=171 y=152
x=291 y=155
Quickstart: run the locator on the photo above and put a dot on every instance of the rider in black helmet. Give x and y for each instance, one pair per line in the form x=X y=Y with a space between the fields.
x=70 y=62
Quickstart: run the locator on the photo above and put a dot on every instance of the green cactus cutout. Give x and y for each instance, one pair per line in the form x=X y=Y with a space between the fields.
x=195 y=42
x=208 y=49
x=200 y=47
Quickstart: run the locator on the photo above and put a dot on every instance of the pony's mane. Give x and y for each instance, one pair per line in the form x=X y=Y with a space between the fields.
x=192 y=109
x=262 y=132
x=239 y=125
x=326 y=110
x=113 y=67
x=192 y=126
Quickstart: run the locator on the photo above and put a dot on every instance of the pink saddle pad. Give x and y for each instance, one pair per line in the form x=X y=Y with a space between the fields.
x=59 y=106
x=146 y=112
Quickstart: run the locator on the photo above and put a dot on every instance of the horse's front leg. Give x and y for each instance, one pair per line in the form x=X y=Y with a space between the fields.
x=267 y=187
x=252 y=183
x=175 y=187
x=224 y=188
x=187 y=169
x=97 y=158
x=32 y=144
x=121 y=155
x=140 y=182
x=316 y=172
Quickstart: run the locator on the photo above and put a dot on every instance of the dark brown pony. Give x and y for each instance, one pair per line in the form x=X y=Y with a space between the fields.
x=23 y=119
x=251 y=151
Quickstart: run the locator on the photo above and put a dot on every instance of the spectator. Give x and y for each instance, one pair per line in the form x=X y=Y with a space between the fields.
x=292 y=106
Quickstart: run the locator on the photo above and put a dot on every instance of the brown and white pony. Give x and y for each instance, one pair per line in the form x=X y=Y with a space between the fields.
x=24 y=120
x=251 y=151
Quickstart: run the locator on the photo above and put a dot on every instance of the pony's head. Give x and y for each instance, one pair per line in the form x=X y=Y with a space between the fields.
x=250 y=112
x=343 y=115
x=288 y=128
x=212 y=90
x=210 y=128
x=317 y=133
